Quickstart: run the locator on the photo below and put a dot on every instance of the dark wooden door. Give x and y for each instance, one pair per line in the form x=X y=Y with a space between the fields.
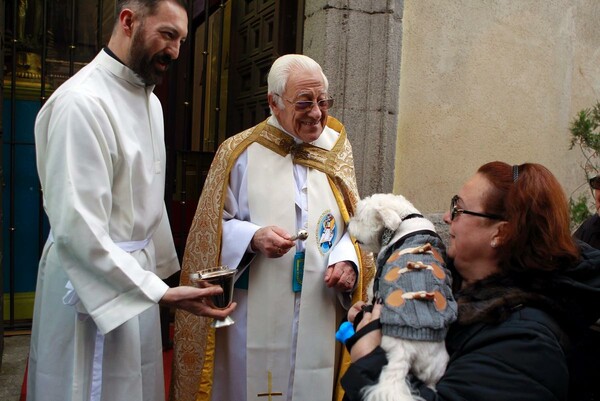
x=262 y=30
x=229 y=56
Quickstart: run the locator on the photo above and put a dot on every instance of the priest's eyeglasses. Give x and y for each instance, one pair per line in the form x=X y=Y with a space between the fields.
x=455 y=211
x=307 y=105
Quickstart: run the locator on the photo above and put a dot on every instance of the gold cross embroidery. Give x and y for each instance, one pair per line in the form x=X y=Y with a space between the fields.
x=269 y=392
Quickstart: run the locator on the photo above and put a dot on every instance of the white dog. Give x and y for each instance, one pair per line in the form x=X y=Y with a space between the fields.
x=414 y=285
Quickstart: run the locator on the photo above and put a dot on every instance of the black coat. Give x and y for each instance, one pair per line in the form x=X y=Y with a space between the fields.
x=520 y=349
x=589 y=231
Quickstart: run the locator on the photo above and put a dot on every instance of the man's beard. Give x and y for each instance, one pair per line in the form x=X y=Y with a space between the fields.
x=143 y=64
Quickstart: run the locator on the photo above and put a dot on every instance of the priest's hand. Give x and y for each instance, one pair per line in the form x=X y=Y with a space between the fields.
x=196 y=301
x=341 y=275
x=271 y=241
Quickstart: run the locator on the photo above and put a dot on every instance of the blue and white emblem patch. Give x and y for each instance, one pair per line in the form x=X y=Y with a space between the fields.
x=326 y=232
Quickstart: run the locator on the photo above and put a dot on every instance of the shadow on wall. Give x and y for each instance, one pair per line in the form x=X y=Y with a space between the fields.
x=442 y=228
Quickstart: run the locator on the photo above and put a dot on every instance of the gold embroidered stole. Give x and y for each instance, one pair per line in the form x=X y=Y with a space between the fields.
x=194 y=339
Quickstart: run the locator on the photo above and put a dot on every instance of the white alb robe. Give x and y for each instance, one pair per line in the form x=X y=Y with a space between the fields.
x=101 y=163
x=238 y=229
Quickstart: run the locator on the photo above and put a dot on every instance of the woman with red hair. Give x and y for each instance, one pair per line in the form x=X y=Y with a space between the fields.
x=525 y=291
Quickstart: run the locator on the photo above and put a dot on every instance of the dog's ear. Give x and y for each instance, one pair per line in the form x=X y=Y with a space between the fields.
x=390 y=218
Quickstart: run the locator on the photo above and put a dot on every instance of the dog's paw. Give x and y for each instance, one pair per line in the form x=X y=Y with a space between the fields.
x=397 y=391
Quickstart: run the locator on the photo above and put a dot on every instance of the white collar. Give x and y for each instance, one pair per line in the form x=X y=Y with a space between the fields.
x=121 y=70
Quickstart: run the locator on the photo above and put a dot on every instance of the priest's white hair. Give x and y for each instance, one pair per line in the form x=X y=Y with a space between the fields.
x=284 y=66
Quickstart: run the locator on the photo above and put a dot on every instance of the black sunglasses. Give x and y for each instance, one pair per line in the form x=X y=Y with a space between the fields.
x=595 y=182
x=455 y=210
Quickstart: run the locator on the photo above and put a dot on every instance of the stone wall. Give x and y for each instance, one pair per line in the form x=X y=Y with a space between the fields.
x=492 y=80
x=358 y=43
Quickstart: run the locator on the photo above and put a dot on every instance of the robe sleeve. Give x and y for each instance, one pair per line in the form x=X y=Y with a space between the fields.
x=167 y=262
x=237 y=230
x=344 y=251
x=76 y=171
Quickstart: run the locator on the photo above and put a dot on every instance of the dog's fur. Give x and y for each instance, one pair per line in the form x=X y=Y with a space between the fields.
x=425 y=359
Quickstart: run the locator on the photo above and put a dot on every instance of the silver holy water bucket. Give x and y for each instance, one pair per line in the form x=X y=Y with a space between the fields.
x=224 y=278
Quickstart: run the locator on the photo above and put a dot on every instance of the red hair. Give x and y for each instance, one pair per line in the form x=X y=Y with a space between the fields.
x=537 y=235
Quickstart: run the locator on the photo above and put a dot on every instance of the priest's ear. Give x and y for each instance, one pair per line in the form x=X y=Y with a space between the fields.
x=274 y=105
x=272 y=101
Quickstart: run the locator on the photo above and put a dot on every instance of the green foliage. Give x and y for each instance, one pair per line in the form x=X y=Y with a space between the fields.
x=579 y=210
x=585 y=133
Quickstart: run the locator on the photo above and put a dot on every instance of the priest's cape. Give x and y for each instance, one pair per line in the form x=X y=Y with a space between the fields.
x=194 y=338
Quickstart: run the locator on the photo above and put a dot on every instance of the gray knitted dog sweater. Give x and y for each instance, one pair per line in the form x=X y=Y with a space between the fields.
x=415 y=286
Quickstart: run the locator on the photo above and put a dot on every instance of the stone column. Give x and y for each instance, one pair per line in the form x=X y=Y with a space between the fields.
x=358 y=43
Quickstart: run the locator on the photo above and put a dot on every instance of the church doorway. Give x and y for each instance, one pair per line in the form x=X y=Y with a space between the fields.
x=215 y=89
x=230 y=56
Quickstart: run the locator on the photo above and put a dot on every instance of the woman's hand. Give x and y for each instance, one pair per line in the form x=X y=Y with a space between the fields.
x=367 y=343
x=354 y=310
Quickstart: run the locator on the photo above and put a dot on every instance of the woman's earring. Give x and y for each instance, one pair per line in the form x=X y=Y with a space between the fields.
x=494 y=244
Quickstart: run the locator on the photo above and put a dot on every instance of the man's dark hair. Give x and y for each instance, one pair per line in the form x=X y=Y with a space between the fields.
x=147 y=7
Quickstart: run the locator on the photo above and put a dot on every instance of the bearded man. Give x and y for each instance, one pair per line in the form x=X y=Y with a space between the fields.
x=292 y=172
x=101 y=163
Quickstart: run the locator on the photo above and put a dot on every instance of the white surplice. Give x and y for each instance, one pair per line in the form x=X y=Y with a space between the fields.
x=101 y=163
x=239 y=225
